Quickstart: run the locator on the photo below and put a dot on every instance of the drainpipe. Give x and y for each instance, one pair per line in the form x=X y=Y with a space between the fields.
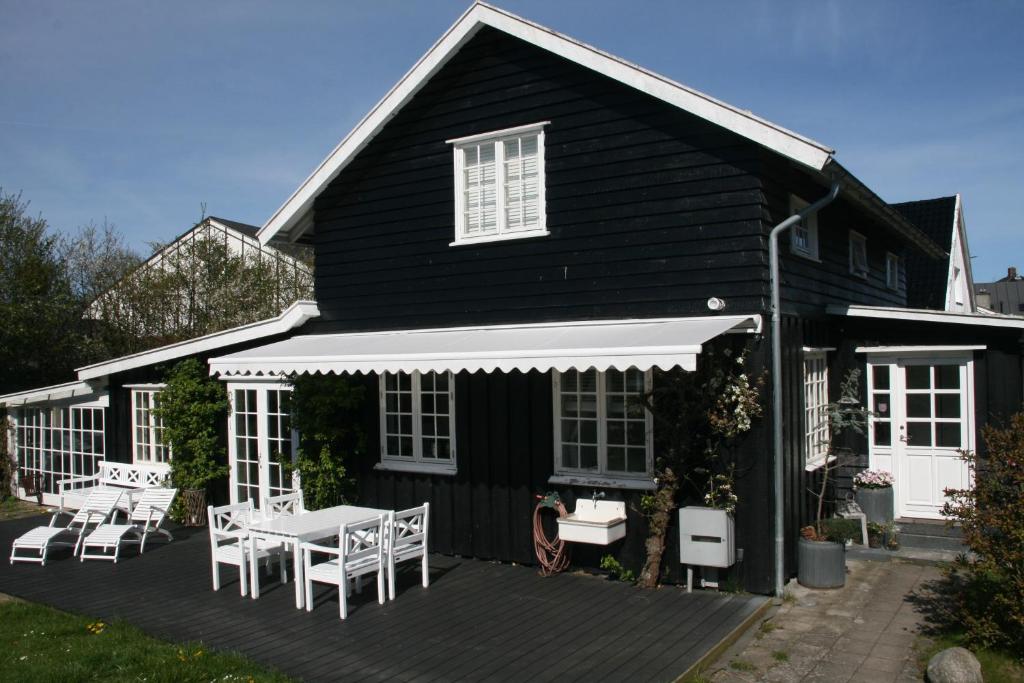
x=773 y=258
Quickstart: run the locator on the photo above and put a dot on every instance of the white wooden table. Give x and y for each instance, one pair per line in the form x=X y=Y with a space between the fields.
x=295 y=529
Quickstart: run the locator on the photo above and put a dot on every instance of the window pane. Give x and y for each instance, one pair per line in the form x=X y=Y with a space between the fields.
x=636 y=459
x=947 y=405
x=919 y=377
x=883 y=434
x=919 y=433
x=919 y=405
x=588 y=457
x=947 y=376
x=880 y=376
x=948 y=434
x=570 y=456
x=881 y=406
x=616 y=459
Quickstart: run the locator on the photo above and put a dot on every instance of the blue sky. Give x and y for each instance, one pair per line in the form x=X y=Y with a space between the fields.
x=139 y=112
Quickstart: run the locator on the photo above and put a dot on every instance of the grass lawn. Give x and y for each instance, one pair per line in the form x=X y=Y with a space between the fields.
x=996 y=666
x=38 y=643
x=12 y=508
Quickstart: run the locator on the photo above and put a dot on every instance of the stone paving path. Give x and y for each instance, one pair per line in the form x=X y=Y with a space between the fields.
x=865 y=631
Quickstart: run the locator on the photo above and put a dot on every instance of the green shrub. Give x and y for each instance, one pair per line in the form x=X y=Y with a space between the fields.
x=990 y=604
x=327 y=412
x=616 y=572
x=193 y=406
x=839 y=530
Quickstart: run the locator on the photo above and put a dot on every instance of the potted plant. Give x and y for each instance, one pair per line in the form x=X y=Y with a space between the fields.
x=874 y=494
x=821 y=549
x=876 y=535
x=191 y=406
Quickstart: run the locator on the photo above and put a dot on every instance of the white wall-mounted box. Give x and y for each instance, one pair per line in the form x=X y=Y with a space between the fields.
x=706 y=537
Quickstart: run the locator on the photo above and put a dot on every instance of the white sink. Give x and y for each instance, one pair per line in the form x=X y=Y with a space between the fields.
x=594 y=521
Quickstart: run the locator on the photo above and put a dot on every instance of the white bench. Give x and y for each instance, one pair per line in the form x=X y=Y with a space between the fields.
x=129 y=478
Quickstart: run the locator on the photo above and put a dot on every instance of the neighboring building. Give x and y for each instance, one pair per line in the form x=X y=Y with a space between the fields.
x=169 y=299
x=941 y=284
x=524 y=235
x=1005 y=295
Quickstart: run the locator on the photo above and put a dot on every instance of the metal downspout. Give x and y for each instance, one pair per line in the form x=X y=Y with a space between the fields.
x=773 y=257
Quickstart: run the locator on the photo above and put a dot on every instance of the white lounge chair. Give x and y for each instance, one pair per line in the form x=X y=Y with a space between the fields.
x=229 y=543
x=408 y=541
x=147 y=517
x=99 y=506
x=360 y=552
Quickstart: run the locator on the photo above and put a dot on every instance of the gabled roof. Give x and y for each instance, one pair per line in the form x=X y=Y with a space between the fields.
x=295 y=216
x=244 y=228
x=928 y=277
x=293 y=316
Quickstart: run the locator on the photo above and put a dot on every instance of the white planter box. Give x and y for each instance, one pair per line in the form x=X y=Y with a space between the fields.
x=706 y=537
x=598 y=522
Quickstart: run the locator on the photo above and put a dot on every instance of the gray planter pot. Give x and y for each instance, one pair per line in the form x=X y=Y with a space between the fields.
x=821 y=564
x=877 y=504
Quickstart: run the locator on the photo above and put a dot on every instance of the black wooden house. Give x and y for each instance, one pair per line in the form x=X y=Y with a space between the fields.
x=526 y=230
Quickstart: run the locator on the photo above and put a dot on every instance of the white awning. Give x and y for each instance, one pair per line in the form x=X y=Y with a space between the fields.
x=621 y=344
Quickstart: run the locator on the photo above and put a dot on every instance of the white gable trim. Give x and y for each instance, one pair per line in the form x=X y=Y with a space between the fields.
x=292 y=317
x=960 y=257
x=293 y=218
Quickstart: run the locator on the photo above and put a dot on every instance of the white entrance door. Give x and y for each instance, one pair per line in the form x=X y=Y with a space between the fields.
x=923 y=418
x=259 y=436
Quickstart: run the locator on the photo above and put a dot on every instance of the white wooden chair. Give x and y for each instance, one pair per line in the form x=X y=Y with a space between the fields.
x=407 y=540
x=229 y=543
x=285 y=504
x=146 y=517
x=360 y=552
x=99 y=506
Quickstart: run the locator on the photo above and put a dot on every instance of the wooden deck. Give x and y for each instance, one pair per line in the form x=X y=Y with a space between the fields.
x=477 y=621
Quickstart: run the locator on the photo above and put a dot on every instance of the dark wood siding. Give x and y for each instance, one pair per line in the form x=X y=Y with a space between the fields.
x=651 y=210
x=505 y=457
x=808 y=285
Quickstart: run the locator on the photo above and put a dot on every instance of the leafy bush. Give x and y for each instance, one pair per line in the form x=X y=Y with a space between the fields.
x=192 y=405
x=326 y=410
x=835 y=529
x=990 y=602
x=616 y=572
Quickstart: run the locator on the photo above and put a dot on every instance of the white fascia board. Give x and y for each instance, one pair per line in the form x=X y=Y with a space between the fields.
x=926 y=316
x=293 y=214
x=55 y=392
x=293 y=316
x=890 y=350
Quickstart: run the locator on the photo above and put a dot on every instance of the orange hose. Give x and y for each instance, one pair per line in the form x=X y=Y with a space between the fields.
x=552 y=554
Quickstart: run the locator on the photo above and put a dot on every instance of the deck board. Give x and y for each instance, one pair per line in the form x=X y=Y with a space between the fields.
x=477 y=621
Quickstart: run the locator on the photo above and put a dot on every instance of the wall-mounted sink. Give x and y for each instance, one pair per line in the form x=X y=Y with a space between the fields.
x=594 y=521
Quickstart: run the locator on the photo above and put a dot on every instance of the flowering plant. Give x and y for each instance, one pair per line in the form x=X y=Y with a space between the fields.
x=721 y=495
x=872 y=479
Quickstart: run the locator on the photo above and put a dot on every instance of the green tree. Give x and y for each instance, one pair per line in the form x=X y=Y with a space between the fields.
x=40 y=338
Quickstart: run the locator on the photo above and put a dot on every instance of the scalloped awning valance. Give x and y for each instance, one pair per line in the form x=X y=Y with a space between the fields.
x=664 y=343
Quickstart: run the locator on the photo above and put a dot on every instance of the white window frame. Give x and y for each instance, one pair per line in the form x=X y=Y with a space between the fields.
x=858 y=241
x=154 y=426
x=892 y=271
x=808 y=225
x=815 y=411
x=601 y=477
x=416 y=463
x=499 y=137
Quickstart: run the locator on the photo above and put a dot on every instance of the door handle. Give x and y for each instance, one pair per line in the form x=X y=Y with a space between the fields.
x=903 y=435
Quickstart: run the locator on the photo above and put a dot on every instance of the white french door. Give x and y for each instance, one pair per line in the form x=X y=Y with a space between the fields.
x=923 y=417
x=259 y=437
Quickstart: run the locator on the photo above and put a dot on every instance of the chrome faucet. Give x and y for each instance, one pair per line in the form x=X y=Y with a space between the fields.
x=597 y=494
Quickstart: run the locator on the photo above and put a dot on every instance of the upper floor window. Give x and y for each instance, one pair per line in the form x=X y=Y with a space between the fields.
x=499 y=185
x=803 y=237
x=816 y=432
x=148 y=428
x=858 y=254
x=417 y=415
x=601 y=425
x=892 y=271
